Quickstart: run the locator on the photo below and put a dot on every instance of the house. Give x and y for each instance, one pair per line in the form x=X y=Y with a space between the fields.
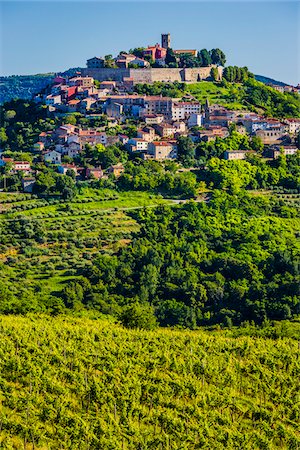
x=276 y=87
x=95 y=172
x=4 y=161
x=275 y=151
x=137 y=145
x=128 y=83
x=86 y=82
x=116 y=169
x=293 y=125
x=156 y=104
x=123 y=139
x=195 y=120
x=124 y=59
x=108 y=85
x=65 y=130
x=59 y=80
x=43 y=137
x=146 y=133
x=165 y=130
x=72 y=149
x=230 y=155
x=211 y=133
x=38 y=146
x=53 y=100
x=63 y=169
x=185 y=52
x=86 y=104
x=95 y=63
x=140 y=62
x=73 y=105
x=183 y=110
x=273 y=135
x=217 y=130
x=180 y=126
x=92 y=137
x=114 y=109
x=152 y=119
x=162 y=150
x=155 y=52
x=28 y=184
x=23 y=166
x=60 y=148
x=52 y=157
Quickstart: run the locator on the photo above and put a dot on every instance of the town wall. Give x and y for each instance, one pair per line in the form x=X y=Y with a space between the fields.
x=151 y=75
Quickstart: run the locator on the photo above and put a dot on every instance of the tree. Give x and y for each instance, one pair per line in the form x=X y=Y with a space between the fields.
x=205 y=57
x=187 y=60
x=10 y=114
x=186 y=150
x=138 y=316
x=217 y=57
x=109 y=61
x=138 y=51
x=214 y=73
x=70 y=119
x=170 y=57
x=257 y=144
x=3 y=136
x=66 y=186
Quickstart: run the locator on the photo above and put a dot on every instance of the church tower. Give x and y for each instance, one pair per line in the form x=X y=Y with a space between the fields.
x=166 y=40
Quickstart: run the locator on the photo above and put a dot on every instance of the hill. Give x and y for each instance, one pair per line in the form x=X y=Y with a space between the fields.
x=90 y=384
x=267 y=80
x=25 y=86
x=250 y=95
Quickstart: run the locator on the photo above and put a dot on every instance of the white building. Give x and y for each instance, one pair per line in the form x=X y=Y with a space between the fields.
x=138 y=145
x=52 y=157
x=195 y=120
x=183 y=110
x=53 y=99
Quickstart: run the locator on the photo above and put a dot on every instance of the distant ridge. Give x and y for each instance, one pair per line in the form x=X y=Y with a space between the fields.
x=267 y=80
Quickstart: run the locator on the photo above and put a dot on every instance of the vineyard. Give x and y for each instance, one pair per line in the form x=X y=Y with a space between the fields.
x=72 y=383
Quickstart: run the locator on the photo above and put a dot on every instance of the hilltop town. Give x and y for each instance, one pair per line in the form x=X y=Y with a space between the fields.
x=115 y=111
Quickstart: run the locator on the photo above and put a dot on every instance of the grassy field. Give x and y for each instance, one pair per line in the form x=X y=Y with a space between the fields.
x=231 y=96
x=77 y=383
x=44 y=242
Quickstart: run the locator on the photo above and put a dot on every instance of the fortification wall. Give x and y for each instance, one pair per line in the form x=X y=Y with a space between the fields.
x=200 y=73
x=152 y=74
x=106 y=74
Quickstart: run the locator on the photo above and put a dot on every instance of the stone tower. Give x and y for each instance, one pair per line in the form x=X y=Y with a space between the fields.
x=166 y=40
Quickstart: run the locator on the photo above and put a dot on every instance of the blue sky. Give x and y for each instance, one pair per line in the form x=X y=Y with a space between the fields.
x=43 y=36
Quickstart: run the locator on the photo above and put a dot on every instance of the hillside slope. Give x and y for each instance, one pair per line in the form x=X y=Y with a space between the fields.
x=78 y=383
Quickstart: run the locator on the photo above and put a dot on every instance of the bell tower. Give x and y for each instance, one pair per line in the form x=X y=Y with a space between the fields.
x=166 y=40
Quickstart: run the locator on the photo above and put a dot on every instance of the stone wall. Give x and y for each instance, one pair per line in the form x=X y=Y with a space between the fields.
x=106 y=74
x=152 y=74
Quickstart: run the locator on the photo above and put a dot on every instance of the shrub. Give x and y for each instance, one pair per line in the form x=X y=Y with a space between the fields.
x=138 y=316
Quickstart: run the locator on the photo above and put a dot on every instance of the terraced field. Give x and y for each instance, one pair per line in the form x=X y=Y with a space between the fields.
x=44 y=242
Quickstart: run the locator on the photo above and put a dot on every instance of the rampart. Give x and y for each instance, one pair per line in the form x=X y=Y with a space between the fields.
x=152 y=74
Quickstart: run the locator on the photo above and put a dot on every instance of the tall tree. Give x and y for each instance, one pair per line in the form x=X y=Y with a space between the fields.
x=218 y=57
x=205 y=56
